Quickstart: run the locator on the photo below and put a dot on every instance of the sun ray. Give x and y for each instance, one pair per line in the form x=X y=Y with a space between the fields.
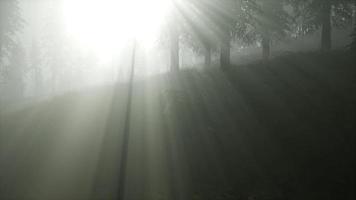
x=106 y=25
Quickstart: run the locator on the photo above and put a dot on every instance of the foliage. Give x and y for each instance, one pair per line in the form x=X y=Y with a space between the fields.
x=10 y=23
x=246 y=21
x=307 y=14
x=261 y=17
x=201 y=24
x=11 y=55
x=249 y=19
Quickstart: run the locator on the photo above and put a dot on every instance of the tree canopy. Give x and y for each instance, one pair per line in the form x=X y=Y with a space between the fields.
x=11 y=23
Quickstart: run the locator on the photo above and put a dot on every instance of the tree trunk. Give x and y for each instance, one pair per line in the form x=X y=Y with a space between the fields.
x=174 y=48
x=326 y=26
x=38 y=81
x=225 y=51
x=354 y=16
x=0 y=48
x=266 y=48
x=207 y=55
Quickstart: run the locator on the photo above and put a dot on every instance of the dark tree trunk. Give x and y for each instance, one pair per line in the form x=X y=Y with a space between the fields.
x=207 y=55
x=353 y=43
x=174 y=48
x=266 y=47
x=326 y=26
x=225 y=51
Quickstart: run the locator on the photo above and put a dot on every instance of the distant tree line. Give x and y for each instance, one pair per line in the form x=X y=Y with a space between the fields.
x=212 y=25
x=11 y=53
x=209 y=27
x=46 y=64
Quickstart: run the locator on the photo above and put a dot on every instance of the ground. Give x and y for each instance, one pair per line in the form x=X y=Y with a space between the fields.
x=282 y=129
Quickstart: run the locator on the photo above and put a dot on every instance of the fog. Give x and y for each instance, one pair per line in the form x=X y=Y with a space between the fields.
x=177 y=99
x=73 y=48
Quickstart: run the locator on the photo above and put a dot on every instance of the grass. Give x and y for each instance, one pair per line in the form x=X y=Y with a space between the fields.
x=282 y=129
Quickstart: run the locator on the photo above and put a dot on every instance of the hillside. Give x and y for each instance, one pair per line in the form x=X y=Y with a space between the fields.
x=284 y=129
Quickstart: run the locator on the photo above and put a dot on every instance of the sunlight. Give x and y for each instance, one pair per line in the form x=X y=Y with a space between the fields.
x=106 y=25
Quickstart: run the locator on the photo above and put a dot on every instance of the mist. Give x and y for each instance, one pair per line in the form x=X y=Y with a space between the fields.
x=177 y=99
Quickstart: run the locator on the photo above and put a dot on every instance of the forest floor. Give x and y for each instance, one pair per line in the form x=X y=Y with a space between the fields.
x=282 y=129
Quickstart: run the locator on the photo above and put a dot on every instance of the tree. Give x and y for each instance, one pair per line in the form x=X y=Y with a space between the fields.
x=174 y=34
x=311 y=15
x=10 y=23
x=275 y=24
x=200 y=30
x=226 y=17
x=188 y=25
x=262 y=21
x=15 y=73
x=54 y=45
x=353 y=44
x=326 y=7
x=174 y=48
x=353 y=35
x=212 y=25
x=36 y=67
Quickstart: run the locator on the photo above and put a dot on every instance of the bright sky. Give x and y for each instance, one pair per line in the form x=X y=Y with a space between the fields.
x=105 y=25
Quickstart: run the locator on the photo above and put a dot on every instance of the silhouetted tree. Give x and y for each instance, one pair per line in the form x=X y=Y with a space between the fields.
x=325 y=14
x=353 y=35
x=326 y=25
x=200 y=30
x=174 y=35
x=353 y=44
x=263 y=21
x=174 y=48
x=226 y=17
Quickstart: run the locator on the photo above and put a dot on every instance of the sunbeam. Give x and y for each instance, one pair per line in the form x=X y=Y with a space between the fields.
x=177 y=99
x=105 y=25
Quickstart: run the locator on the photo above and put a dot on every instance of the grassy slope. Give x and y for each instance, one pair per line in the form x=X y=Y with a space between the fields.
x=282 y=129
